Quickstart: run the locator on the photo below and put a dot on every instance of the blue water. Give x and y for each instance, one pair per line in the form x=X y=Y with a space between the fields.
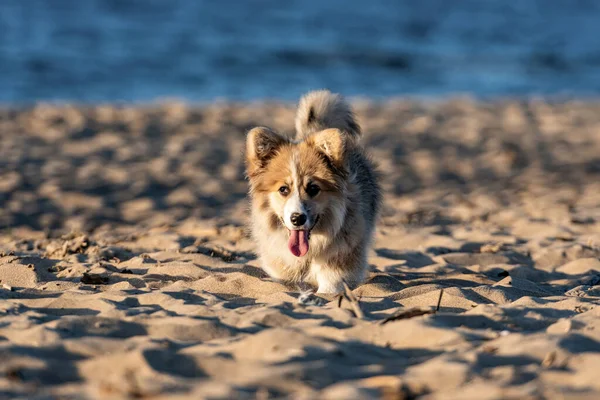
x=126 y=50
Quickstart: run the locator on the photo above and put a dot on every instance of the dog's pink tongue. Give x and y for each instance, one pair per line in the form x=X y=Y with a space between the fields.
x=298 y=243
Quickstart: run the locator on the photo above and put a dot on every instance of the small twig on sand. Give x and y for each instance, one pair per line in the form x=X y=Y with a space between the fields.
x=353 y=301
x=406 y=314
x=414 y=312
x=437 y=308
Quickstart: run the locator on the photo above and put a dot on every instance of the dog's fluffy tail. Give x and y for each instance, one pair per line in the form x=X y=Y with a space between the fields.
x=321 y=110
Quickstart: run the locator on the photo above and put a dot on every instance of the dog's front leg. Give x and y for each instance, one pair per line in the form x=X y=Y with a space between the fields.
x=329 y=280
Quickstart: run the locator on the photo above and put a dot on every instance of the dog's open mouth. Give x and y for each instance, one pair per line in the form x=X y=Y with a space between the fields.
x=298 y=241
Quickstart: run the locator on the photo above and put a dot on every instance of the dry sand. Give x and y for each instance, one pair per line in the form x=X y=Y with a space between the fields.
x=126 y=271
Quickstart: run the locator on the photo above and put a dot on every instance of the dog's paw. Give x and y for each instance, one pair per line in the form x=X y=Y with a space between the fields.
x=309 y=298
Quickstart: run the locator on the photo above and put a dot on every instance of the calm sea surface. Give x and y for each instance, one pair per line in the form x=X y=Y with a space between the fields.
x=136 y=51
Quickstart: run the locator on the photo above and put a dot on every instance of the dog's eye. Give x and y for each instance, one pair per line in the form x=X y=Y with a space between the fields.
x=284 y=190
x=312 y=190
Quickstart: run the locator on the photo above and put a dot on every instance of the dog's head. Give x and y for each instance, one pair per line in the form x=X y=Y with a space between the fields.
x=301 y=186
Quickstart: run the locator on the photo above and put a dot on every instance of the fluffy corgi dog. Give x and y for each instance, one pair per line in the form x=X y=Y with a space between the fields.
x=314 y=199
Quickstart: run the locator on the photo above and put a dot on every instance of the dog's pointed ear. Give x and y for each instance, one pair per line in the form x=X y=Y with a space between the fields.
x=333 y=143
x=261 y=145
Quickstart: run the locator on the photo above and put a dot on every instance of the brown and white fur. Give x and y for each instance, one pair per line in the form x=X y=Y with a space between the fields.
x=315 y=199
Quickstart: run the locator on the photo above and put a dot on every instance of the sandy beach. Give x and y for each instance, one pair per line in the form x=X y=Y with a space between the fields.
x=126 y=270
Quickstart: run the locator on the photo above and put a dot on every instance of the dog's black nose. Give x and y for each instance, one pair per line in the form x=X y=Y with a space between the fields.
x=298 y=219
